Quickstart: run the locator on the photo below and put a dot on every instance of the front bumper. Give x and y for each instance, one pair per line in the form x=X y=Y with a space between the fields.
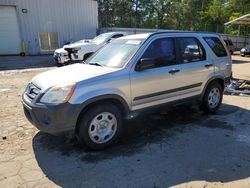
x=61 y=59
x=53 y=119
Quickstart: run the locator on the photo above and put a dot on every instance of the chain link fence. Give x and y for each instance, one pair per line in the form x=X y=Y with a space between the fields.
x=238 y=41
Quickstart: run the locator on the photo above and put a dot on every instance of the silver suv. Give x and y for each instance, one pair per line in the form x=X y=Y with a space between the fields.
x=130 y=74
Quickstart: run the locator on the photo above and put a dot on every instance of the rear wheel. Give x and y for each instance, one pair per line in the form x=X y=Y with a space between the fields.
x=212 y=98
x=100 y=126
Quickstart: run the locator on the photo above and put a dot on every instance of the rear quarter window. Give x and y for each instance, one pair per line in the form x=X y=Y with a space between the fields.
x=217 y=47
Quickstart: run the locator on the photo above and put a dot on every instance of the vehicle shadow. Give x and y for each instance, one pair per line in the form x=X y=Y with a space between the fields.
x=27 y=62
x=156 y=150
x=241 y=62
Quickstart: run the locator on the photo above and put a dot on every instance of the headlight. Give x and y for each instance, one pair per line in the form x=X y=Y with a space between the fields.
x=58 y=94
x=75 y=50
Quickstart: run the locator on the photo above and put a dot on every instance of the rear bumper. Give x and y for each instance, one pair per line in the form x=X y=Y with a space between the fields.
x=53 y=119
x=227 y=80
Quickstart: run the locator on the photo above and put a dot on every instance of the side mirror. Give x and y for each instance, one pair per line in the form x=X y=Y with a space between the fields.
x=146 y=63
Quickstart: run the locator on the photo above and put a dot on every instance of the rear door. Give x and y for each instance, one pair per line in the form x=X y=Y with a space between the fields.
x=196 y=67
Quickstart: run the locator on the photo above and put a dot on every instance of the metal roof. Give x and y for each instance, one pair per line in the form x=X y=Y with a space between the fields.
x=243 y=20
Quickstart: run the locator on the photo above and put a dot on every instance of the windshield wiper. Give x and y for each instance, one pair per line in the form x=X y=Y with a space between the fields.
x=97 y=64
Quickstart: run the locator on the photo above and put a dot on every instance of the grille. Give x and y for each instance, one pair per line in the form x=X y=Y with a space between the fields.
x=32 y=91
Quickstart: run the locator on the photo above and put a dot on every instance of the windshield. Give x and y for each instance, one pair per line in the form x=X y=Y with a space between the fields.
x=116 y=54
x=79 y=41
x=101 y=38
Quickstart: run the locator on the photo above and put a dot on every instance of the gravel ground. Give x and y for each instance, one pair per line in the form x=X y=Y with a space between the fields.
x=182 y=148
x=241 y=67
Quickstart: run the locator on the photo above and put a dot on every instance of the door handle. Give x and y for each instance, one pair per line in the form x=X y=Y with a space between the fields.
x=173 y=71
x=209 y=65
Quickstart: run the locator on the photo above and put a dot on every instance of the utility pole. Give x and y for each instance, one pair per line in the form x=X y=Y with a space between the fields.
x=136 y=12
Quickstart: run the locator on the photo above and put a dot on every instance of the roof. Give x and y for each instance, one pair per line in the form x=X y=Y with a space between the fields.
x=243 y=20
x=137 y=36
x=116 y=32
x=147 y=35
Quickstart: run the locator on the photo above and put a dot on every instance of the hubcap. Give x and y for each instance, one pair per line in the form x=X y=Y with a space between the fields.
x=214 y=98
x=103 y=127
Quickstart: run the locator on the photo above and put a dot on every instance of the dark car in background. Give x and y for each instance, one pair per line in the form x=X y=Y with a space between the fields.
x=229 y=45
x=245 y=51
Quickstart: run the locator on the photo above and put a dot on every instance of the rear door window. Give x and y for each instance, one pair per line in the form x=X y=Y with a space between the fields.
x=215 y=44
x=191 y=50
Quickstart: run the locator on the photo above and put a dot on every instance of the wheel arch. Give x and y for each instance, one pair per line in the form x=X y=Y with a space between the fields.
x=108 y=98
x=218 y=79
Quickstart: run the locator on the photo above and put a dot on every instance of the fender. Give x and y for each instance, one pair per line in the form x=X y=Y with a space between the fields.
x=104 y=97
x=83 y=95
x=122 y=103
x=85 y=99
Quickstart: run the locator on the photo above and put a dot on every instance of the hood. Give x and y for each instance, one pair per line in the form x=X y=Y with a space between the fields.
x=69 y=74
x=78 y=44
x=60 y=50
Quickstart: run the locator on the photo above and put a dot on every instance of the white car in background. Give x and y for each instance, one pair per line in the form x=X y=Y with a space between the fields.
x=61 y=56
x=81 y=50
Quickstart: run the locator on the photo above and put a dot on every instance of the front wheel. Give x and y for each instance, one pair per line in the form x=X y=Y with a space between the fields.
x=59 y=64
x=100 y=126
x=212 y=98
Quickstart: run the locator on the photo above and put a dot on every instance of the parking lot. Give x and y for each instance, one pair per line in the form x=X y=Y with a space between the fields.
x=181 y=147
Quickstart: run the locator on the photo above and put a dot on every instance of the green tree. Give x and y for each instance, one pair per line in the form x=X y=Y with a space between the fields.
x=208 y=15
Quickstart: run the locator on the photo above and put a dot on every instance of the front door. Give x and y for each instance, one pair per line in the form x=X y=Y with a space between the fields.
x=159 y=83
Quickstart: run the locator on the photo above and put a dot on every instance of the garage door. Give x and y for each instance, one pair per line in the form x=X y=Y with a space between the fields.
x=10 y=41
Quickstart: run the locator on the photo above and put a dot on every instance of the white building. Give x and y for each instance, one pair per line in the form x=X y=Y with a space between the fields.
x=41 y=26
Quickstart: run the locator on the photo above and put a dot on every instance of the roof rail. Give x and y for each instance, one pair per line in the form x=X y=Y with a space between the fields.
x=178 y=31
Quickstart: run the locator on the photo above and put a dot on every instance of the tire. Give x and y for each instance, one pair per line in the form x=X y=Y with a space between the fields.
x=59 y=64
x=212 y=99
x=22 y=54
x=243 y=55
x=100 y=126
